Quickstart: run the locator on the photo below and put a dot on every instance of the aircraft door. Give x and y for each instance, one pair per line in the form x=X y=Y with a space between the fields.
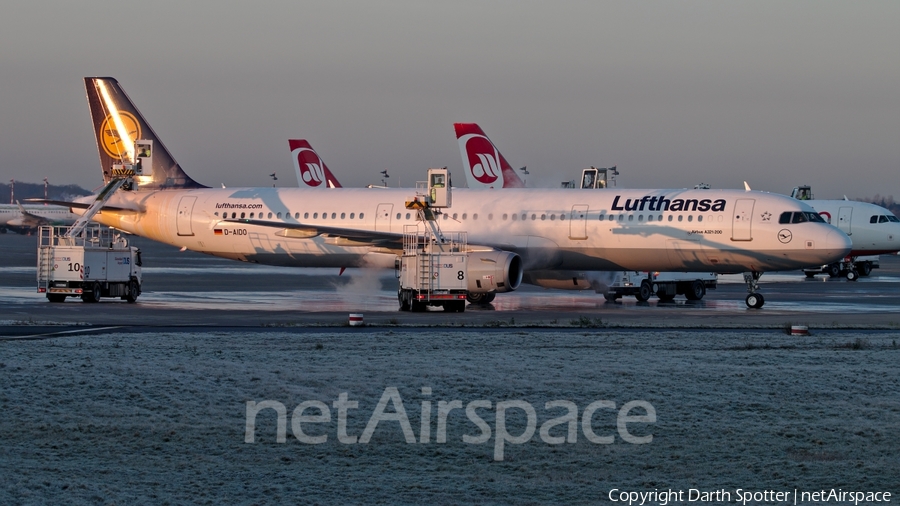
x=743 y=217
x=383 y=217
x=578 y=222
x=183 y=218
x=844 y=215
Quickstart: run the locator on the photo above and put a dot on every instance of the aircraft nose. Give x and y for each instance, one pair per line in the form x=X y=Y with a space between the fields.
x=838 y=244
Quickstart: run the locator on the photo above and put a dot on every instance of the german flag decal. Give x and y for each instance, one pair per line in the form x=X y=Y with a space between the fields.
x=217 y=231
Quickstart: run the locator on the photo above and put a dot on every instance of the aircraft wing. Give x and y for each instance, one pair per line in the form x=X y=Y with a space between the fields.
x=302 y=231
x=76 y=205
x=30 y=220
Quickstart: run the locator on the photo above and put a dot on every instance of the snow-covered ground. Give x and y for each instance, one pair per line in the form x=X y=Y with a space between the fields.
x=161 y=418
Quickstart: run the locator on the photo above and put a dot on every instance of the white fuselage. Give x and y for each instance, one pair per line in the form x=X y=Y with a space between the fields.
x=870 y=236
x=674 y=230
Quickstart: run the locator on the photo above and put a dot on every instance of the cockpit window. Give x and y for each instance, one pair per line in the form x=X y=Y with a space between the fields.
x=799 y=217
x=815 y=217
x=893 y=219
x=882 y=219
x=873 y=219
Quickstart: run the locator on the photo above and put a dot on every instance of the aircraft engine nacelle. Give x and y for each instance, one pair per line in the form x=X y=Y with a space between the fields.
x=571 y=280
x=494 y=271
x=574 y=282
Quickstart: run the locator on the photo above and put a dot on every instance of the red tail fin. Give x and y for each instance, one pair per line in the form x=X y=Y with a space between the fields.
x=311 y=170
x=484 y=166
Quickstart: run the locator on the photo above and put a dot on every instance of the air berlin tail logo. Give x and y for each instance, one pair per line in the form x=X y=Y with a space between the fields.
x=484 y=160
x=309 y=166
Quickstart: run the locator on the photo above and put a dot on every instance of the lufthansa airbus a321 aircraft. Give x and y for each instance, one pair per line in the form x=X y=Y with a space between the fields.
x=508 y=231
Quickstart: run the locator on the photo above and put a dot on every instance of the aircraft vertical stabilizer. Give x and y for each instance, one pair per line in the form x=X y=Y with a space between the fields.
x=311 y=170
x=484 y=166
x=117 y=125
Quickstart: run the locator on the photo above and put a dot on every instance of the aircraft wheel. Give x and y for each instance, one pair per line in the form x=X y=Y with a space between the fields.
x=834 y=270
x=755 y=301
x=696 y=291
x=644 y=292
x=610 y=297
x=852 y=275
x=134 y=289
x=864 y=268
x=481 y=298
x=810 y=275
x=664 y=297
x=55 y=297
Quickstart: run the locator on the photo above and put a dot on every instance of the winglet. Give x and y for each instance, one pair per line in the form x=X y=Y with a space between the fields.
x=746 y=186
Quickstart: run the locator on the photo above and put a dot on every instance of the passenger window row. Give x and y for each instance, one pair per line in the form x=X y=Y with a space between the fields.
x=523 y=217
x=279 y=216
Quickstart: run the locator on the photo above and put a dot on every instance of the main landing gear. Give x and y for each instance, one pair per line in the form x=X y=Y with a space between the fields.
x=754 y=300
x=483 y=298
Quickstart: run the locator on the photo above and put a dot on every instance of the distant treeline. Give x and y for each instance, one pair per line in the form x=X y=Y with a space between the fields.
x=885 y=202
x=36 y=191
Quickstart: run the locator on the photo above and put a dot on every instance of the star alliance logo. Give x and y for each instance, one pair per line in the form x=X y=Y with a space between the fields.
x=766 y=216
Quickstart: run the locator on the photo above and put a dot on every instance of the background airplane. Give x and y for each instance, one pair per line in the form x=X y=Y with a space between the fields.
x=873 y=229
x=28 y=217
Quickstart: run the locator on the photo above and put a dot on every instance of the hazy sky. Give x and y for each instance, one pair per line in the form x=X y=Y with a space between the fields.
x=674 y=93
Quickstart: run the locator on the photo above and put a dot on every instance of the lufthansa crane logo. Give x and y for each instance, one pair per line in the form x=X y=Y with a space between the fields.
x=785 y=236
x=118 y=133
x=484 y=160
x=309 y=166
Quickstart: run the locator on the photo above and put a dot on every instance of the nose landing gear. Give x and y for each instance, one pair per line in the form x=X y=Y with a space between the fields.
x=754 y=300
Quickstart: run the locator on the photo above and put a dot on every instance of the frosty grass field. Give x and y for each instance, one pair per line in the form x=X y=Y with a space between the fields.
x=161 y=417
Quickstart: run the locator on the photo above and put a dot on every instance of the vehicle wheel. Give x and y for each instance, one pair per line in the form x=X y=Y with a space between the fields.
x=416 y=306
x=93 y=295
x=864 y=268
x=852 y=275
x=810 y=275
x=610 y=297
x=664 y=297
x=134 y=289
x=404 y=304
x=696 y=290
x=56 y=297
x=755 y=300
x=834 y=270
x=644 y=292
